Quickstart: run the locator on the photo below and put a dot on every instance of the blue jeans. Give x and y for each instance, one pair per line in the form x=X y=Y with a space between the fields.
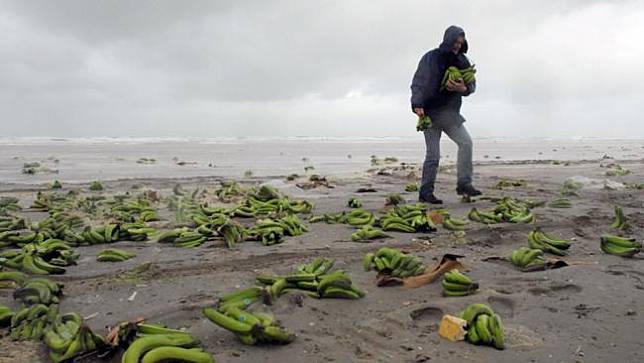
x=457 y=133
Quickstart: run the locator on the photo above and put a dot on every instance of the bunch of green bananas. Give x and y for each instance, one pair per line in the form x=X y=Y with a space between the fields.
x=484 y=217
x=354 y=203
x=9 y=226
x=233 y=232
x=38 y=290
x=541 y=241
x=213 y=220
x=483 y=326
x=96 y=186
x=244 y=297
x=514 y=211
x=155 y=343
x=9 y=204
x=69 y=337
x=229 y=190
x=620 y=220
x=393 y=262
x=47 y=257
x=183 y=237
x=56 y=185
x=367 y=233
x=5 y=316
x=32 y=322
x=411 y=187
x=409 y=218
x=244 y=211
x=329 y=218
x=114 y=255
x=314 y=279
x=250 y=328
x=456 y=75
x=560 y=203
x=271 y=231
x=617 y=170
x=619 y=246
x=454 y=224
x=456 y=283
x=526 y=258
x=12 y=279
x=505 y=183
x=571 y=187
x=359 y=217
x=424 y=123
x=20 y=238
x=394 y=199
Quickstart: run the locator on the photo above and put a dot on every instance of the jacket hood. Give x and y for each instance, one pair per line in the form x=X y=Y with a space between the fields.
x=451 y=34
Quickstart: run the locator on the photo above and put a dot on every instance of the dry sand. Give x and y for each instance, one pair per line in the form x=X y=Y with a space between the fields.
x=591 y=311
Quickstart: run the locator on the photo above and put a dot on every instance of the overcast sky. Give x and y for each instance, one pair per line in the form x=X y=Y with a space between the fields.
x=329 y=68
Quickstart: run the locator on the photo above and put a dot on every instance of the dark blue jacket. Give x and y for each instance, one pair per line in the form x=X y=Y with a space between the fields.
x=431 y=68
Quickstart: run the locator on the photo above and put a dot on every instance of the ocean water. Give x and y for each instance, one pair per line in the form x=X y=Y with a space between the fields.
x=85 y=159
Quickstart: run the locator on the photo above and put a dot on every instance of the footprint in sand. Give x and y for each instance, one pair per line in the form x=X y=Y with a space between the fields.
x=556 y=289
x=504 y=306
x=427 y=313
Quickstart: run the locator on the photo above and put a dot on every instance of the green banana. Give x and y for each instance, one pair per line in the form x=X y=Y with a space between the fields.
x=172 y=354
x=226 y=322
x=482 y=328
x=473 y=311
x=142 y=345
x=495 y=326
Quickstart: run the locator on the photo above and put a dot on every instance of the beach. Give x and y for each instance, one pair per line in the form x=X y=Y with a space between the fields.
x=588 y=311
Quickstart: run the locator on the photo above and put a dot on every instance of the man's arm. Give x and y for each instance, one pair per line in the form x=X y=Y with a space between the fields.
x=420 y=90
x=471 y=88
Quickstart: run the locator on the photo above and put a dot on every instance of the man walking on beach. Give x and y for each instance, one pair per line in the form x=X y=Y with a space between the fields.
x=443 y=107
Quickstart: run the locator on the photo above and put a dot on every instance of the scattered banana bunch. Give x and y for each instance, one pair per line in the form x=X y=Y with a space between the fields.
x=155 y=343
x=514 y=211
x=509 y=183
x=409 y=218
x=368 y=233
x=527 y=258
x=12 y=279
x=315 y=279
x=484 y=217
x=541 y=241
x=617 y=170
x=560 y=203
x=329 y=218
x=620 y=246
x=393 y=262
x=32 y=322
x=38 y=290
x=9 y=204
x=11 y=223
x=571 y=187
x=271 y=231
x=424 y=123
x=454 y=224
x=5 y=316
x=359 y=217
x=394 y=199
x=620 y=220
x=250 y=328
x=268 y=200
x=233 y=232
x=109 y=233
x=229 y=190
x=114 y=255
x=354 y=203
x=456 y=283
x=47 y=257
x=456 y=75
x=483 y=326
x=69 y=337
x=411 y=187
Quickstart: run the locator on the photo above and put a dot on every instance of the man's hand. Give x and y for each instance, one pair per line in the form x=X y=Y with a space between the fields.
x=457 y=86
x=419 y=111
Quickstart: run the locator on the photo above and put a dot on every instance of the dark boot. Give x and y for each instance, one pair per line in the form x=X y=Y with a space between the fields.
x=468 y=190
x=429 y=198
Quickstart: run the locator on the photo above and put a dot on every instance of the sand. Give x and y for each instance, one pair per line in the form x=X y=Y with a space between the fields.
x=590 y=311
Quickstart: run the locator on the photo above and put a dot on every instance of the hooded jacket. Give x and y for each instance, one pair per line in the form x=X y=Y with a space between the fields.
x=426 y=83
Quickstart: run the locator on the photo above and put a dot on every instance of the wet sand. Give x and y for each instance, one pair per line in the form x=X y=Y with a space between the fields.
x=590 y=311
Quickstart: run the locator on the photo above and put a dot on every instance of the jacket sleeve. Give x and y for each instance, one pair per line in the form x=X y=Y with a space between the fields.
x=421 y=89
x=471 y=88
